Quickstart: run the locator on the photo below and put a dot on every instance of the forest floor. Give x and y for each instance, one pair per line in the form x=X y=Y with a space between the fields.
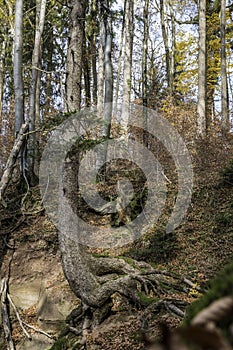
x=199 y=248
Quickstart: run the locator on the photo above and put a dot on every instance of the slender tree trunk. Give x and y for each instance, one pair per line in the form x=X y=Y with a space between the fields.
x=202 y=72
x=100 y=86
x=18 y=77
x=2 y=73
x=165 y=42
x=173 y=50
x=86 y=73
x=119 y=63
x=129 y=32
x=94 y=51
x=144 y=68
x=108 y=70
x=145 y=53
x=40 y=19
x=75 y=55
x=224 y=94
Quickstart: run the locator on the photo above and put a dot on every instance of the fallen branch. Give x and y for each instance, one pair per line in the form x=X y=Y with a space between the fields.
x=38 y=330
x=18 y=318
x=5 y=316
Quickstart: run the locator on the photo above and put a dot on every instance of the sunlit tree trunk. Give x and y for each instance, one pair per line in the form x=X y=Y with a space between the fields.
x=202 y=72
x=40 y=19
x=100 y=85
x=75 y=55
x=144 y=66
x=128 y=51
x=173 y=48
x=119 y=64
x=165 y=42
x=18 y=77
x=108 y=70
x=86 y=72
x=224 y=90
x=2 y=73
x=93 y=50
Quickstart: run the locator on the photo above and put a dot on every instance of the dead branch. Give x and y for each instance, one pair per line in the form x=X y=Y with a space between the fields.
x=5 y=316
x=11 y=161
x=38 y=330
x=18 y=317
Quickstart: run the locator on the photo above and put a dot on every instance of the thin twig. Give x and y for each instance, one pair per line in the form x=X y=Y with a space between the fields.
x=18 y=317
x=39 y=330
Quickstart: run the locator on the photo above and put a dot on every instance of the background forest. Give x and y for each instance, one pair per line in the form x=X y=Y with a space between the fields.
x=112 y=59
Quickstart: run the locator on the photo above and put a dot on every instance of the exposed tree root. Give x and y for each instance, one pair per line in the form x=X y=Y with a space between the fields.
x=145 y=288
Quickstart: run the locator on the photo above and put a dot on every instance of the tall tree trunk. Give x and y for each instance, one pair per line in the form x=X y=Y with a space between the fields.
x=165 y=42
x=2 y=72
x=108 y=70
x=173 y=48
x=40 y=19
x=75 y=55
x=18 y=77
x=202 y=72
x=86 y=72
x=100 y=86
x=145 y=53
x=144 y=67
x=119 y=63
x=224 y=90
x=128 y=51
x=94 y=51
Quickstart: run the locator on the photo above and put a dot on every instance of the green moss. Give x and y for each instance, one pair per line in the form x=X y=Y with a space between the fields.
x=221 y=286
x=146 y=300
x=67 y=342
x=60 y=344
x=128 y=260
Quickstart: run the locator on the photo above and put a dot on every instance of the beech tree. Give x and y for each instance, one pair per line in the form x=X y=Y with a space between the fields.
x=18 y=75
x=128 y=51
x=75 y=54
x=202 y=71
x=35 y=86
x=224 y=90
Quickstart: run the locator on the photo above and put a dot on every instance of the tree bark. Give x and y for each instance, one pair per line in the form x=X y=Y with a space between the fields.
x=75 y=55
x=2 y=72
x=224 y=91
x=40 y=20
x=128 y=51
x=119 y=64
x=18 y=64
x=144 y=67
x=18 y=77
x=95 y=280
x=165 y=42
x=100 y=86
x=108 y=70
x=202 y=72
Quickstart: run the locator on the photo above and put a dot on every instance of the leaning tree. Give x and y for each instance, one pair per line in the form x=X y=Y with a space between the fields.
x=72 y=179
